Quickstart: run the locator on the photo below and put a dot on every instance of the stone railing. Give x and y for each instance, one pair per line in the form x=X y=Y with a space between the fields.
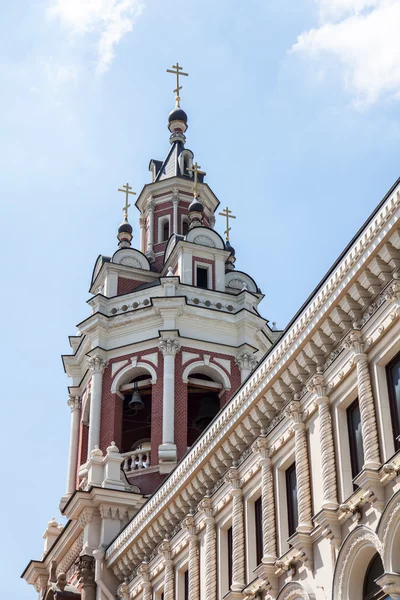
x=138 y=459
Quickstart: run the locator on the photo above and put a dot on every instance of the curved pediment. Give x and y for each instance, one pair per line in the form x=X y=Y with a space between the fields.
x=129 y=257
x=203 y=236
x=238 y=281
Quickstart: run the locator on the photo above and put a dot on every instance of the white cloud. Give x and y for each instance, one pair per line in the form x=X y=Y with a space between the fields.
x=363 y=36
x=107 y=20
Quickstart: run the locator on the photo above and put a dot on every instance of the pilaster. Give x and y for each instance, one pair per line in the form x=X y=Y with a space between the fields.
x=210 y=579
x=167 y=452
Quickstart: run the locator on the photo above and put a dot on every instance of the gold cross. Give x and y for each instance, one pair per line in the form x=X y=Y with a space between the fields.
x=228 y=215
x=125 y=189
x=195 y=170
x=178 y=71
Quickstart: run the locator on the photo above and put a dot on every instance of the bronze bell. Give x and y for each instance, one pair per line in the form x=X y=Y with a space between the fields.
x=136 y=403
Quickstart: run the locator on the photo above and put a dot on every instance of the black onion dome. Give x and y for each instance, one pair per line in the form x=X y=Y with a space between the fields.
x=125 y=227
x=230 y=248
x=177 y=115
x=196 y=206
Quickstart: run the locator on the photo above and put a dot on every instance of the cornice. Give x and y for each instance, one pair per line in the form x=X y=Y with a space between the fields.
x=295 y=336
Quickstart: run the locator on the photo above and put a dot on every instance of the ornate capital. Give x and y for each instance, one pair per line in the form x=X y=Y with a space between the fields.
x=85 y=569
x=97 y=363
x=165 y=549
x=169 y=346
x=292 y=411
x=144 y=571
x=142 y=221
x=260 y=447
x=317 y=386
x=41 y=583
x=206 y=507
x=151 y=204
x=232 y=478
x=354 y=342
x=246 y=360
x=175 y=195
x=74 y=402
x=188 y=525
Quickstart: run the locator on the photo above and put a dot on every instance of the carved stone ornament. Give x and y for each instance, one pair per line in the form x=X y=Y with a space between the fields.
x=236 y=284
x=86 y=570
x=74 y=402
x=97 y=363
x=204 y=240
x=246 y=360
x=169 y=346
x=129 y=261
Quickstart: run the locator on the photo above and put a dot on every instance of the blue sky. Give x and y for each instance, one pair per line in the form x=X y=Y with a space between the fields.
x=293 y=113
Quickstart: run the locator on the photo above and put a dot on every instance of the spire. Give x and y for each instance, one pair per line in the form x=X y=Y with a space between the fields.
x=125 y=229
x=177 y=118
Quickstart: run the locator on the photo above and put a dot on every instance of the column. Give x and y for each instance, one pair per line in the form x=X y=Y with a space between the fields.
x=97 y=365
x=210 y=578
x=169 y=583
x=366 y=402
x=194 y=566
x=142 y=224
x=302 y=468
x=238 y=551
x=74 y=402
x=175 y=203
x=246 y=363
x=329 y=483
x=86 y=577
x=169 y=346
x=143 y=570
x=150 y=240
x=267 y=501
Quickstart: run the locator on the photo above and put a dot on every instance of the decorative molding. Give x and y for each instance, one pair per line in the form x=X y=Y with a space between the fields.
x=169 y=346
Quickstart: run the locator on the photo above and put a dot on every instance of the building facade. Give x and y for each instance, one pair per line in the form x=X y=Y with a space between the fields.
x=212 y=456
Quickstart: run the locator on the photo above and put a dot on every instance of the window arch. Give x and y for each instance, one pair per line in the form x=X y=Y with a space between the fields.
x=203 y=404
x=185 y=225
x=163 y=229
x=372 y=591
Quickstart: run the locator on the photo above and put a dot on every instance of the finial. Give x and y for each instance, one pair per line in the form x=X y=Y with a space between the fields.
x=195 y=169
x=125 y=229
x=126 y=189
x=177 y=70
x=228 y=215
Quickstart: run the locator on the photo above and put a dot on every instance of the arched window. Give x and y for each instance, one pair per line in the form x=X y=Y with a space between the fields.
x=371 y=590
x=185 y=226
x=165 y=236
x=203 y=404
x=136 y=423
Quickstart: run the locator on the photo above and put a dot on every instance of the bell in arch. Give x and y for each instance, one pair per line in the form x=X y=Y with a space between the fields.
x=136 y=403
x=209 y=406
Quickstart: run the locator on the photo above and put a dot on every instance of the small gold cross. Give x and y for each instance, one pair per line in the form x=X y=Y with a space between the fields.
x=195 y=169
x=228 y=215
x=177 y=70
x=125 y=189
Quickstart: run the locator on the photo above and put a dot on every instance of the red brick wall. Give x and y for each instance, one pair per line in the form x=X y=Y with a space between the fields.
x=126 y=286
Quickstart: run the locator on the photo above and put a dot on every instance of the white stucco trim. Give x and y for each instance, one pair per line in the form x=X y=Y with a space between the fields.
x=207 y=369
x=128 y=372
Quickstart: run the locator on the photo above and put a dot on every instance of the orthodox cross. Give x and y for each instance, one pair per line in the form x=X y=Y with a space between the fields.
x=228 y=215
x=195 y=169
x=125 y=189
x=177 y=70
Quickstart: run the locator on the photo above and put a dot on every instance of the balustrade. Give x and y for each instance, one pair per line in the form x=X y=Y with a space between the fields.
x=138 y=459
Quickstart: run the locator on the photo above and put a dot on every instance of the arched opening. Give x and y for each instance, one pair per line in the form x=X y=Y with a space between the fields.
x=165 y=231
x=371 y=590
x=185 y=226
x=136 y=423
x=203 y=404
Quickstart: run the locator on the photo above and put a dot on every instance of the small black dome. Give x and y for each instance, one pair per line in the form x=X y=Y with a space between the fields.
x=196 y=206
x=177 y=115
x=230 y=248
x=125 y=227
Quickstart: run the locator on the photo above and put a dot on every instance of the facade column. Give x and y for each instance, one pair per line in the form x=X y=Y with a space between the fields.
x=74 y=402
x=150 y=237
x=210 y=579
x=143 y=570
x=169 y=346
x=238 y=551
x=194 y=565
x=86 y=577
x=142 y=224
x=267 y=502
x=97 y=365
x=246 y=363
x=302 y=468
x=175 y=203
x=169 y=580
x=366 y=402
x=329 y=479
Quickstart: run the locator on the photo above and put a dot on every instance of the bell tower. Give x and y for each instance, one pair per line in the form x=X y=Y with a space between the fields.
x=174 y=328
